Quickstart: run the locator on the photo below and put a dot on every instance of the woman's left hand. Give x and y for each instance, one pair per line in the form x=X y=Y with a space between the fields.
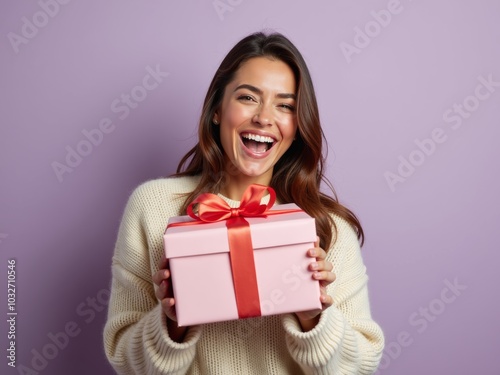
x=322 y=271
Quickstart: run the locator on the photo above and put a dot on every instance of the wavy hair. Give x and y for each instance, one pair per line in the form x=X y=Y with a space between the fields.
x=298 y=174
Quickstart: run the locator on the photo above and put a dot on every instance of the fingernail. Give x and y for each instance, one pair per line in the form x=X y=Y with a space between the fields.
x=314 y=266
x=317 y=275
x=312 y=252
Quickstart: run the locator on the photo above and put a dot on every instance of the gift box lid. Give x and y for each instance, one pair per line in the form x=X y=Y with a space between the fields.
x=211 y=238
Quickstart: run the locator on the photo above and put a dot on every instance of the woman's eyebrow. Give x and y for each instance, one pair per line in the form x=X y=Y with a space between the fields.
x=258 y=91
x=287 y=96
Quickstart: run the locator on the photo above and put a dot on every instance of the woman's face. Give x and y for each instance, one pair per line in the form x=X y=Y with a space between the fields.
x=257 y=118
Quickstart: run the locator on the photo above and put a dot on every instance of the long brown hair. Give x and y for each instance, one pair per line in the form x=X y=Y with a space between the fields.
x=299 y=172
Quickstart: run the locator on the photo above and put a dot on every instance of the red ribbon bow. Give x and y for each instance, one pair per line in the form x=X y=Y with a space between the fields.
x=212 y=208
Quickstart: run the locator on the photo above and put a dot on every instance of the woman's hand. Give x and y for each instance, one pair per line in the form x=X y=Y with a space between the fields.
x=165 y=295
x=321 y=270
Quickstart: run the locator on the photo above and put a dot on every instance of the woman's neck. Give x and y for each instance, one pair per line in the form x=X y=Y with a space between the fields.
x=235 y=187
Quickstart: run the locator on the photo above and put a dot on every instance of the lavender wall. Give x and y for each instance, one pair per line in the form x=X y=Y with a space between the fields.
x=408 y=92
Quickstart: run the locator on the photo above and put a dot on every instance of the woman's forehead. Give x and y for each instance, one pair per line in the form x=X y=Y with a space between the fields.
x=266 y=74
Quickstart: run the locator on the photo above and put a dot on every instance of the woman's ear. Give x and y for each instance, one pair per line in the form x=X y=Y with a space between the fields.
x=215 y=119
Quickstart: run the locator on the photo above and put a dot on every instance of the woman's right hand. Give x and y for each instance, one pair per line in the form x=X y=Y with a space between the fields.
x=165 y=295
x=164 y=291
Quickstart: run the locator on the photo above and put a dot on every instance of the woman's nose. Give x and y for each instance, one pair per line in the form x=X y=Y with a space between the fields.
x=263 y=116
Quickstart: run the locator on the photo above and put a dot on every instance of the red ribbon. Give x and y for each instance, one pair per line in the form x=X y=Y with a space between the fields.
x=212 y=208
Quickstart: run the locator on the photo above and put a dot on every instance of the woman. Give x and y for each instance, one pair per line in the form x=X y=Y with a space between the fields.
x=259 y=124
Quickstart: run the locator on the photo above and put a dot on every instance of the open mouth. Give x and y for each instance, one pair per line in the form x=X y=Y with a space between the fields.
x=258 y=144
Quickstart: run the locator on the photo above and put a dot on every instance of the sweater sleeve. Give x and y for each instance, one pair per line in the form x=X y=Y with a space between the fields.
x=346 y=340
x=136 y=338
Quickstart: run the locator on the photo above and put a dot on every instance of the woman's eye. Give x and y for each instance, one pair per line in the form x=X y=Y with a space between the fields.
x=245 y=98
x=288 y=107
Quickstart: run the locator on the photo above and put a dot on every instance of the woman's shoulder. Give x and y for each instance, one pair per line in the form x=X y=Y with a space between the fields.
x=344 y=233
x=168 y=191
x=168 y=185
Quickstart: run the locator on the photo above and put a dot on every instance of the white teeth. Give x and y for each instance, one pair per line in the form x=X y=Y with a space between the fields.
x=258 y=138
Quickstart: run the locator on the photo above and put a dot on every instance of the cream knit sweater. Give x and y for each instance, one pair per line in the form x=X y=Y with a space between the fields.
x=136 y=340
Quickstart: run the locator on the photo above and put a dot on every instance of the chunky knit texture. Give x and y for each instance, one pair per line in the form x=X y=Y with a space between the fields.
x=136 y=340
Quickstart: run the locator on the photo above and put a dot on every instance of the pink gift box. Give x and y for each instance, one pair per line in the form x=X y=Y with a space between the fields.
x=201 y=269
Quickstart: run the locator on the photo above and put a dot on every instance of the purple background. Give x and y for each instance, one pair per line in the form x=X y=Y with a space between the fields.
x=435 y=227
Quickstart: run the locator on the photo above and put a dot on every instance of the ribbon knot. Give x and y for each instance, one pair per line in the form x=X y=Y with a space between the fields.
x=213 y=208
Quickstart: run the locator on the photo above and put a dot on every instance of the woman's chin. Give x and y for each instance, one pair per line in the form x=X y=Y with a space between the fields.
x=254 y=171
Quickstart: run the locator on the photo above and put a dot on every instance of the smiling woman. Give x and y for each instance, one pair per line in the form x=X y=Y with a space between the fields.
x=257 y=122
x=259 y=125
